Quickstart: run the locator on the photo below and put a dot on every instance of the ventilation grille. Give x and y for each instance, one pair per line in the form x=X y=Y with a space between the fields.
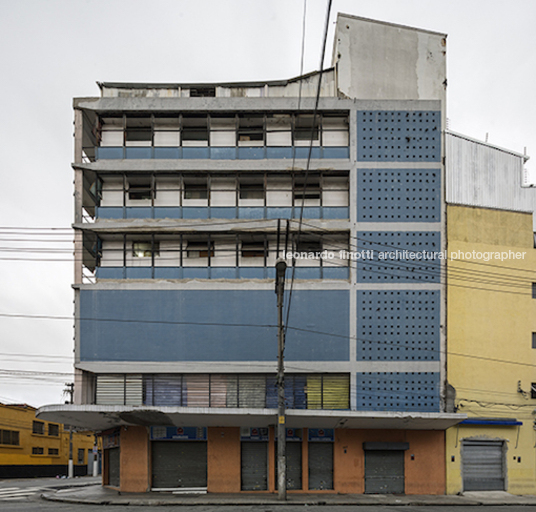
x=387 y=261
x=398 y=136
x=398 y=195
x=398 y=325
x=394 y=391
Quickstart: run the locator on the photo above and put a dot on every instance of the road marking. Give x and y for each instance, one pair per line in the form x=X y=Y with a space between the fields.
x=18 y=493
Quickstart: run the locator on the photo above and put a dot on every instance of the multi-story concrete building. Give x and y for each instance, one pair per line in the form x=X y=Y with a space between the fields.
x=30 y=447
x=179 y=190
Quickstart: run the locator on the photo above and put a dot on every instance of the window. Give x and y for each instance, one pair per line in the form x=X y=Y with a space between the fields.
x=10 y=437
x=307 y=190
x=38 y=427
x=251 y=191
x=53 y=451
x=138 y=191
x=202 y=92
x=534 y=340
x=81 y=453
x=193 y=190
x=53 y=430
x=199 y=249
x=144 y=249
x=533 y=390
x=251 y=129
x=137 y=135
x=253 y=249
x=304 y=129
x=195 y=129
x=309 y=247
x=534 y=290
x=37 y=450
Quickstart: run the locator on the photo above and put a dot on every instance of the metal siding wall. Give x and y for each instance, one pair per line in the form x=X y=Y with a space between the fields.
x=131 y=339
x=481 y=175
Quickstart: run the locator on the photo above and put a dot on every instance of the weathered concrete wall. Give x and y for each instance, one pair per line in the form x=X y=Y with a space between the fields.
x=377 y=60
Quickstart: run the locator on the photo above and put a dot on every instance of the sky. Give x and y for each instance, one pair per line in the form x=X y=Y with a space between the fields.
x=54 y=50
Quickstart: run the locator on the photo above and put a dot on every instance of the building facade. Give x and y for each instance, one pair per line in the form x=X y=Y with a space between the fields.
x=186 y=195
x=30 y=447
x=491 y=319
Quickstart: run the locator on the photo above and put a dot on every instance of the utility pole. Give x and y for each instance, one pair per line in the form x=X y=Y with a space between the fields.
x=70 y=391
x=281 y=267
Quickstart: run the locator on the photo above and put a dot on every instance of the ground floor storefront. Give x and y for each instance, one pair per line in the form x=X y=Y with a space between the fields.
x=491 y=455
x=243 y=459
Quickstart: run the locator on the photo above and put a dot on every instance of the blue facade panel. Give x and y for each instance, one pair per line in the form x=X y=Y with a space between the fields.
x=398 y=391
x=108 y=153
x=222 y=212
x=167 y=153
x=404 y=136
x=398 y=195
x=279 y=152
x=223 y=153
x=110 y=272
x=109 y=212
x=138 y=153
x=399 y=256
x=167 y=212
x=398 y=325
x=139 y=212
x=186 y=325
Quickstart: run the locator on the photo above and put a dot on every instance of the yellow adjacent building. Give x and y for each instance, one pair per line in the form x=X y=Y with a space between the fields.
x=30 y=447
x=491 y=350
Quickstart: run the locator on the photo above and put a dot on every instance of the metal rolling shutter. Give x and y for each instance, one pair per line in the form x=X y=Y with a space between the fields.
x=163 y=390
x=320 y=466
x=179 y=464
x=119 y=389
x=384 y=472
x=294 y=466
x=482 y=465
x=254 y=466
x=252 y=391
x=113 y=467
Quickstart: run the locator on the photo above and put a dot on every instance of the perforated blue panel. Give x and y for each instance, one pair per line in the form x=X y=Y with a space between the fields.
x=387 y=264
x=398 y=135
x=398 y=391
x=398 y=195
x=398 y=325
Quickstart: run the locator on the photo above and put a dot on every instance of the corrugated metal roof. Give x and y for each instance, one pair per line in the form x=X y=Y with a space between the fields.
x=480 y=174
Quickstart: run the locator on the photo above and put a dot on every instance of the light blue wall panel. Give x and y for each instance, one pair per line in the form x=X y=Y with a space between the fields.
x=388 y=265
x=403 y=136
x=162 y=325
x=398 y=325
x=398 y=195
x=398 y=391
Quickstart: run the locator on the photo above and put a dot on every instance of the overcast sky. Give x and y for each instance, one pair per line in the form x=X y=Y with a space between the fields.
x=54 y=50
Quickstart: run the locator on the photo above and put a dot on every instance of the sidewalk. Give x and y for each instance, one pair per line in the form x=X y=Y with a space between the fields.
x=98 y=495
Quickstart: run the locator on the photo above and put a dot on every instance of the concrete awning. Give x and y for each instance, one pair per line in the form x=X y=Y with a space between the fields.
x=102 y=417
